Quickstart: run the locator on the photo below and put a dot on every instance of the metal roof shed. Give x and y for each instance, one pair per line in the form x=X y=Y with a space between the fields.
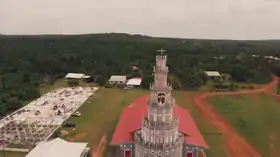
x=117 y=78
x=134 y=82
x=58 y=148
x=85 y=77
x=75 y=75
x=212 y=73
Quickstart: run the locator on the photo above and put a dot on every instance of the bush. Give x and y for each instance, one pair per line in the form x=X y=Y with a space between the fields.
x=72 y=82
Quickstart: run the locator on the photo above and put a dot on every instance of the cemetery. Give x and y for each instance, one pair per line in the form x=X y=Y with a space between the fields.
x=37 y=121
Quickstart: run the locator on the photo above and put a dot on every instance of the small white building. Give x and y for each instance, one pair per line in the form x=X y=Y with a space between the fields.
x=76 y=76
x=134 y=82
x=59 y=148
x=213 y=75
x=117 y=79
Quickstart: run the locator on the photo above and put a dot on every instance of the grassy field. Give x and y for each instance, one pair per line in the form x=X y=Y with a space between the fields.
x=12 y=154
x=100 y=114
x=255 y=117
x=213 y=138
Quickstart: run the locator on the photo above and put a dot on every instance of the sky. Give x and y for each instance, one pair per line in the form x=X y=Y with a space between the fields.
x=211 y=19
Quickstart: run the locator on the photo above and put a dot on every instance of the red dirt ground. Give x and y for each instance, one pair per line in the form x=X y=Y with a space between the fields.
x=236 y=145
x=98 y=151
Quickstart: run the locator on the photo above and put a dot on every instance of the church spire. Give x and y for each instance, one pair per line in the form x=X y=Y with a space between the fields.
x=161 y=51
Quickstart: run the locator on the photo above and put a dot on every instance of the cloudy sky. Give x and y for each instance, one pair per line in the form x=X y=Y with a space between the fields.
x=222 y=19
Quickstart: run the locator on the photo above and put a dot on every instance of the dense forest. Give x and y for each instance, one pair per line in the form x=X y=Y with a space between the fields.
x=26 y=62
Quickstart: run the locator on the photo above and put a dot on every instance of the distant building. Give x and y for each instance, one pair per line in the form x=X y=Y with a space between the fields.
x=134 y=82
x=59 y=148
x=117 y=80
x=213 y=75
x=76 y=76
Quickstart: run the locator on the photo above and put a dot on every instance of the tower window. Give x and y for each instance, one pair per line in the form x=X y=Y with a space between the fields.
x=161 y=98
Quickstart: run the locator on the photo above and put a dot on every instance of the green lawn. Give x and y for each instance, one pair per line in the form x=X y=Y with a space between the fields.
x=12 y=154
x=213 y=138
x=256 y=118
x=101 y=112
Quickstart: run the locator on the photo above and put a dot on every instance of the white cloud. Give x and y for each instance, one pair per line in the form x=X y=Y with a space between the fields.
x=231 y=19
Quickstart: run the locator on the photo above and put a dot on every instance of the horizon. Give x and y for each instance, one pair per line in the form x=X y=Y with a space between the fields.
x=140 y=35
x=201 y=19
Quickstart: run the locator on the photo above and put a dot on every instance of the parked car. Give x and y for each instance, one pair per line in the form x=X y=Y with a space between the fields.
x=69 y=124
x=77 y=114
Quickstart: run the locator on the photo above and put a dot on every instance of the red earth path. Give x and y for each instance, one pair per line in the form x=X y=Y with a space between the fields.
x=236 y=145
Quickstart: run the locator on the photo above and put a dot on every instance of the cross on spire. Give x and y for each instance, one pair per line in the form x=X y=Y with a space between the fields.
x=161 y=51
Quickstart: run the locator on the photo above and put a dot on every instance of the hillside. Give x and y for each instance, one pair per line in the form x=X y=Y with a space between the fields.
x=26 y=62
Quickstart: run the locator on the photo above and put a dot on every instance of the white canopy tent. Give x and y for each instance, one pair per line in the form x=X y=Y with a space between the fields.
x=58 y=148
x=134 y=82
x=75 y=75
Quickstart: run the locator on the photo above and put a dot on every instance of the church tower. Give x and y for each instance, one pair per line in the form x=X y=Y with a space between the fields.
x=159 y=135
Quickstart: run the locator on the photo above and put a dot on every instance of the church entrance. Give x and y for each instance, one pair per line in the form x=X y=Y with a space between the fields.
x=189 y=154
x=127 y=153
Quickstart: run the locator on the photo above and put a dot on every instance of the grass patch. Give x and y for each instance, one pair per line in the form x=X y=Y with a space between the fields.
x=213 y=138
x=61 y=83
x=101 y=112
x=12 y=154
x=256 y=119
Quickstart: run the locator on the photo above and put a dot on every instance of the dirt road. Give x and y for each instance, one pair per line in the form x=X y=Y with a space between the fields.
x=236 y=145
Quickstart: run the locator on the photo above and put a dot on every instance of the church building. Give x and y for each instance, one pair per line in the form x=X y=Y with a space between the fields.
x=155 y=126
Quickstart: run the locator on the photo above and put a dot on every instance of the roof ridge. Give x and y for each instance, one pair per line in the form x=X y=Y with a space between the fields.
x=52 y=145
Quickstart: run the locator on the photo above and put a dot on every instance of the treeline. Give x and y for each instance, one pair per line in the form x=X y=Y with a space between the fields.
x=26 y=62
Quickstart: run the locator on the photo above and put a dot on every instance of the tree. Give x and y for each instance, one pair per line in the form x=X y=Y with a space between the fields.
x=13 y=104
x=241 y=74
x=26 y=62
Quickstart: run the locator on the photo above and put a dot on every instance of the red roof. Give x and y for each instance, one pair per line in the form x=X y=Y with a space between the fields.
x=131 y=120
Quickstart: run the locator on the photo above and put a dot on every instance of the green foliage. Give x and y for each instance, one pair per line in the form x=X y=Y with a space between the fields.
x=26 y=62
x=13 y=104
